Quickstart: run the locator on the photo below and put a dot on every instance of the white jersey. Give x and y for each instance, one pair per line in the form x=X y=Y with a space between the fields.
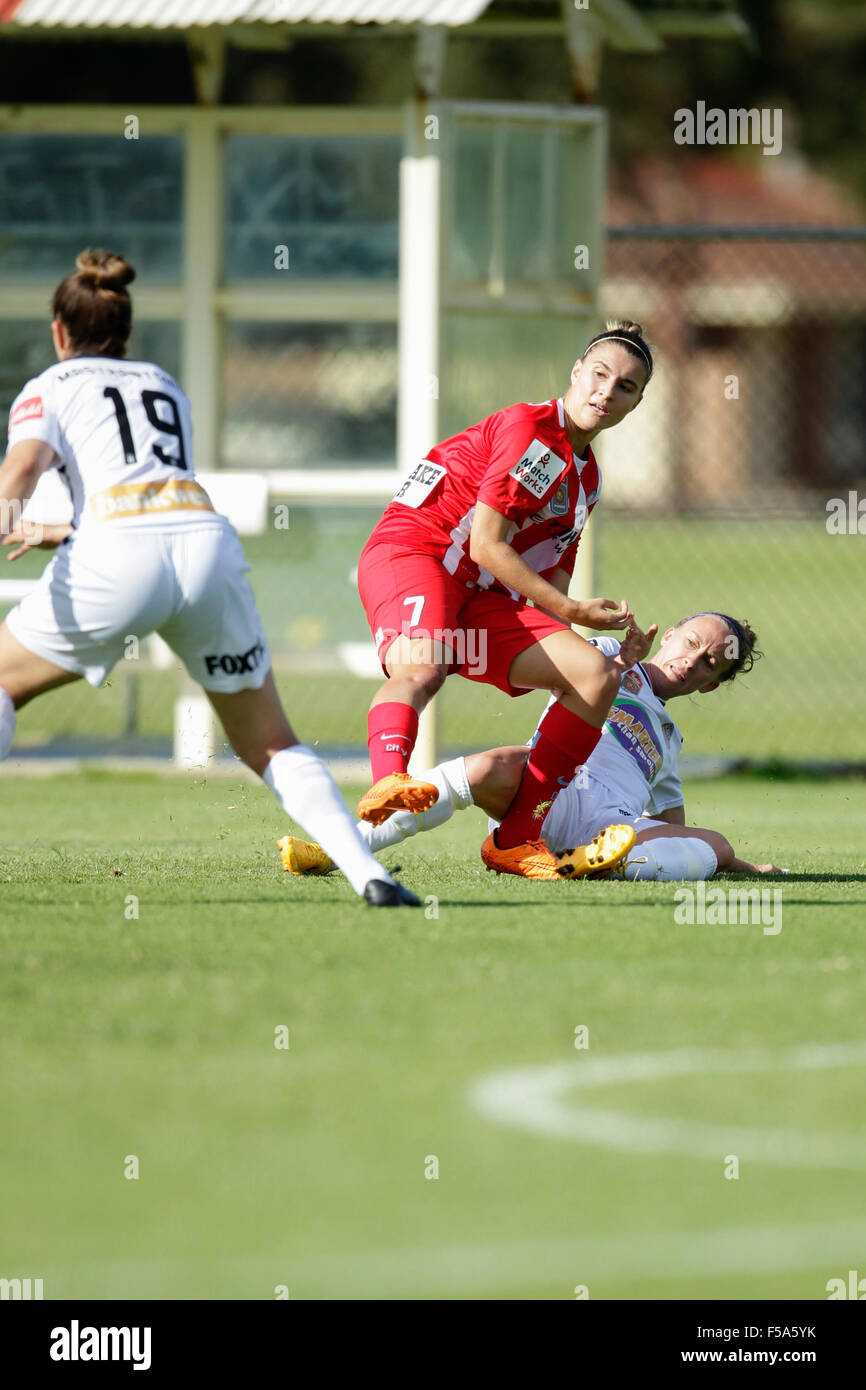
x=633 y=767
x=122 y=438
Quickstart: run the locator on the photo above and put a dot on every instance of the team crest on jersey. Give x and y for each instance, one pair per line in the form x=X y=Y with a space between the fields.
x=559 y=500
x=668 y=731
x=632 y=681
x=538 y=469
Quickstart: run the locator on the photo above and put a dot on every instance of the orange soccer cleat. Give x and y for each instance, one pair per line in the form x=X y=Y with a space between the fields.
x=398 y=791
x=530 y=860
x=599 y=857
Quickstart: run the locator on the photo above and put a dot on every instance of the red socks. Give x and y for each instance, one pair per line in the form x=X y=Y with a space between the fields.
x=564 y=742
x=391 y=733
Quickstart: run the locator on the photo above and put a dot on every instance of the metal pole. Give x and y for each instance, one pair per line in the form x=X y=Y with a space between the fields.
x=418 y=336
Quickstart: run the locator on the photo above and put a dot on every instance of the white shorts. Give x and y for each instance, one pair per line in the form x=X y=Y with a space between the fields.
x=185 y=581
x=578 y=814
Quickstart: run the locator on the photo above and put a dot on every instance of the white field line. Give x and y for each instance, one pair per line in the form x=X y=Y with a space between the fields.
x=539 y=1099
x=520 y=1265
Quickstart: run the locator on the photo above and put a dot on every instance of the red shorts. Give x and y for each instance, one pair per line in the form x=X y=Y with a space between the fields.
x=408 y=594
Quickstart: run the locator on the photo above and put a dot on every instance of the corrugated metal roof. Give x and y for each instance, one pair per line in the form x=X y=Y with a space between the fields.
x=185 y=14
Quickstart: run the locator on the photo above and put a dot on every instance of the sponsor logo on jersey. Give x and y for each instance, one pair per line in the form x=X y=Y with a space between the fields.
x=31 y=409
x=233 y=664
x=626 y=723
x=135 y=499
x=538 y=469
x=564 y=540
x=419 y=484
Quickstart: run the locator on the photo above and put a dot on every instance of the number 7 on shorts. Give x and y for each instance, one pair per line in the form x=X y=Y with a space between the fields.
x=419 y=600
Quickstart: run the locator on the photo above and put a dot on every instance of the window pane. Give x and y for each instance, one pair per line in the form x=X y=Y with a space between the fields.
x=331 y=200
x=26 y=350
x=60 y=193
x=310 y=395
x=473 y=210
x=493 y=360
x=157 y=340
x=523 y=199
x=530 y=224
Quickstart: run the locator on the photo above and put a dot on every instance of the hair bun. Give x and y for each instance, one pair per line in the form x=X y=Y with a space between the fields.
x=624 y=326
x=104 y=270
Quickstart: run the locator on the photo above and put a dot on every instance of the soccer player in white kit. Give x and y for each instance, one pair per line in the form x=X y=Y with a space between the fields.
x=146 y=553
x=630 y=781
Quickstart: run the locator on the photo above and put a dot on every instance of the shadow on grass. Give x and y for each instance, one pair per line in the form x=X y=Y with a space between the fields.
x=788 y=878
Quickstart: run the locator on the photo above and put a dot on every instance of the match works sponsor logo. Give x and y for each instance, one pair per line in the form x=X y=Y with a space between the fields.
x=22 y=1289
x=234 y=664
x=538 y=469
x=76 y=1343
x=714 y=126
x=738 y=906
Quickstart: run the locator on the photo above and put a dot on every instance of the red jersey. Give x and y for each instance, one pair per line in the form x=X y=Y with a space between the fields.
x=518 y=461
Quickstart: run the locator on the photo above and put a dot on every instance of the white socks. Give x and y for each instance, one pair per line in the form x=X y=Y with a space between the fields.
x=308 y=793
x=670 y=858
x=8 y=720
x=454 y=795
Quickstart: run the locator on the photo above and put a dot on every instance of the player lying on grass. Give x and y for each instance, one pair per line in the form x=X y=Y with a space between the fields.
x=624 y=809
x=146 y=553
x=484 y=528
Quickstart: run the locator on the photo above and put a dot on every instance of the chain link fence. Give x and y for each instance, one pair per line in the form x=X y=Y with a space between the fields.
x=734 y=486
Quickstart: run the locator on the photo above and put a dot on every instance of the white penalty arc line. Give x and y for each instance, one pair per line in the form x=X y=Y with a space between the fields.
x=538 y=1099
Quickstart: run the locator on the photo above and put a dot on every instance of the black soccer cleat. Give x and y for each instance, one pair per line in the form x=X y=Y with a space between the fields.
x=379 y=893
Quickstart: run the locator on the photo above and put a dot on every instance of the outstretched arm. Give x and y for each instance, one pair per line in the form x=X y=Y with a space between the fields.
x=490 y=549
x=742 y=866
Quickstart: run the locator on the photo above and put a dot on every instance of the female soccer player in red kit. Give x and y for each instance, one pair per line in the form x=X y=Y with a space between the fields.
x=468 y=572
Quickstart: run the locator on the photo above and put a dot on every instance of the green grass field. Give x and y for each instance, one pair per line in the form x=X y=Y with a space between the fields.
x=788 y=577
x=153 y=1036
